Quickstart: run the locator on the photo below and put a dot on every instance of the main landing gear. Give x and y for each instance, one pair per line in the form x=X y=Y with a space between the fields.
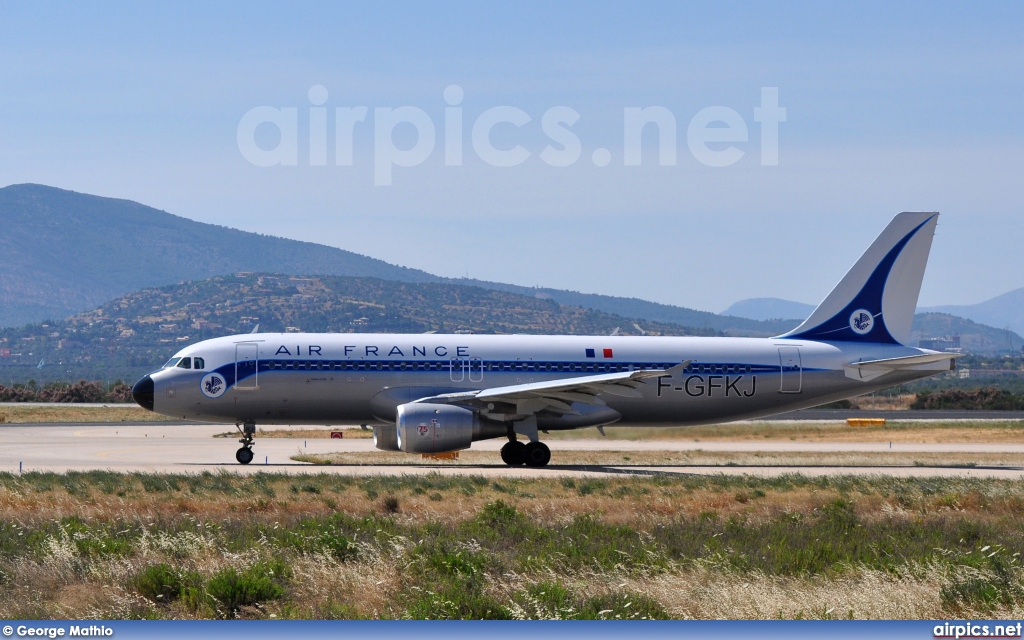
x=248 y=431
x=532 y=454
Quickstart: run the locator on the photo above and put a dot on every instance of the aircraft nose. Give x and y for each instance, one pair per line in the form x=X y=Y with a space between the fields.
x=142 y=393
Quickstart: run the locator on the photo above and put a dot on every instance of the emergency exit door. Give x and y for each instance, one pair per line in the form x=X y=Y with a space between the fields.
x=791 y=370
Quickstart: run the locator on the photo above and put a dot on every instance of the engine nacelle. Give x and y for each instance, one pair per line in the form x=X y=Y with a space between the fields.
x=385 y=437
x=434 y=428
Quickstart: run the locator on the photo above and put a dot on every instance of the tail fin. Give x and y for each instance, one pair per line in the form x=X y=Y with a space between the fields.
x=875 y=301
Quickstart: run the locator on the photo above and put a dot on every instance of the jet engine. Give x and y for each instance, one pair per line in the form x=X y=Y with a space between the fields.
x=434 y=428
x=385 y=437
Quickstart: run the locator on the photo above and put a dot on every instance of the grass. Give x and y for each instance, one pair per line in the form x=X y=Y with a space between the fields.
x=21 y=414
x=102 y=544
x=819 y=431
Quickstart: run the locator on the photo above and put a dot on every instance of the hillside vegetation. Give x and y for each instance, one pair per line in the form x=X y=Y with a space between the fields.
x=136 y=333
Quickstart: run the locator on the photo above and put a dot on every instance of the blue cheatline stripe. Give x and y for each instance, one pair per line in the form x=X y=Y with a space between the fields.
x=553 y=367
x=837 y=328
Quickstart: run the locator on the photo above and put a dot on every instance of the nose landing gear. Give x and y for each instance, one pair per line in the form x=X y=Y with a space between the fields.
x=248 y=431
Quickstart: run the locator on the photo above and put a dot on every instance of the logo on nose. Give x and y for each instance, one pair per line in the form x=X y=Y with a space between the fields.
x=213 y=385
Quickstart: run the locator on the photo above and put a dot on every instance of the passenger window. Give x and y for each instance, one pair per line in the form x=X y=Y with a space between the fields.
x=186 y=363
x=198 y=363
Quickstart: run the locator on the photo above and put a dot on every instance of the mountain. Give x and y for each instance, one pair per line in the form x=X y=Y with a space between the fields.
x=769 y=309
x=66 y=252
x=988 y=327
x=135 y=333
x=1006 y=310
x=974 y=336
x=646 y=310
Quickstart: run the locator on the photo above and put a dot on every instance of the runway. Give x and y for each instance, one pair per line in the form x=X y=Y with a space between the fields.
x=191 y=448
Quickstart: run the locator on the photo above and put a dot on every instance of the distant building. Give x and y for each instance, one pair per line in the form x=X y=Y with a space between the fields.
x=949 y=344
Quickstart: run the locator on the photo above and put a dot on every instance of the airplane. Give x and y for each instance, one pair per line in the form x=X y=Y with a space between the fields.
x=434 y=393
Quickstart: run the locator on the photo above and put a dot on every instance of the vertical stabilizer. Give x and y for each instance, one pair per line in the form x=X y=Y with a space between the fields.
x=876 y=300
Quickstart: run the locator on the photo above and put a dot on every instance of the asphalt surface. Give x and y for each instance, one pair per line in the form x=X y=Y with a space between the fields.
x=193 y=449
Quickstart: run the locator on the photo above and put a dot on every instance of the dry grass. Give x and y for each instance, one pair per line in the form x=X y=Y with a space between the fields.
x=995 y=431
x=861 y=594
x=19 y=414
x=433 y=547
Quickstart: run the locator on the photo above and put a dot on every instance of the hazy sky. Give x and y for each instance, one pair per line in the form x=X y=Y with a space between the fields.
x=887 y=108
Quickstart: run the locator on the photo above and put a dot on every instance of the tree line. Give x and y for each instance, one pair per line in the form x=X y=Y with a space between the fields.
x=81 y=391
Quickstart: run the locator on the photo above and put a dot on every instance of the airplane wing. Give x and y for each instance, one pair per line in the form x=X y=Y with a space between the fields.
x=871 y=369
x=520 y=401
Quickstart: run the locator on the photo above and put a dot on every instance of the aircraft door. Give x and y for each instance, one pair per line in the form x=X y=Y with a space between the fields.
x=791 y=370
x=246 y=365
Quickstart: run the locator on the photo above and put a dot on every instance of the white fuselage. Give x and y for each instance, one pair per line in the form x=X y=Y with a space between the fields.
x=297 y=378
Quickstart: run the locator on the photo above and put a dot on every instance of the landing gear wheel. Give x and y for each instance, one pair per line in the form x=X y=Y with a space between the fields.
x=244 y=455
x=536 y=454
x=248 y=431
x=513 y=453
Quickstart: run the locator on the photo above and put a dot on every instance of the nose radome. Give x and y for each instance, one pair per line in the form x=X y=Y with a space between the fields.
x=142 y=393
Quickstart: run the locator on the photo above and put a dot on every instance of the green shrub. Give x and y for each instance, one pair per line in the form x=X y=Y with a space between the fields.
x=261 y=582
x=159 y=583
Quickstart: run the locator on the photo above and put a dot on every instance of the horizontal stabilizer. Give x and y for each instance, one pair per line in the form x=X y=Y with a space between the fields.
x=871 y=369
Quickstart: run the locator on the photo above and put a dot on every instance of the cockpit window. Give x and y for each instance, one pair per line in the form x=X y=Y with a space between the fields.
x=171 y=363
x=186 y=363
x=198 y=363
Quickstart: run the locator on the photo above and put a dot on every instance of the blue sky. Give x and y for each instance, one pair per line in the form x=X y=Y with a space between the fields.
x=916 y=107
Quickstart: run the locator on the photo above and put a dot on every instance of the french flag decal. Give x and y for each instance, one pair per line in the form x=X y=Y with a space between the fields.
x=607 y=353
